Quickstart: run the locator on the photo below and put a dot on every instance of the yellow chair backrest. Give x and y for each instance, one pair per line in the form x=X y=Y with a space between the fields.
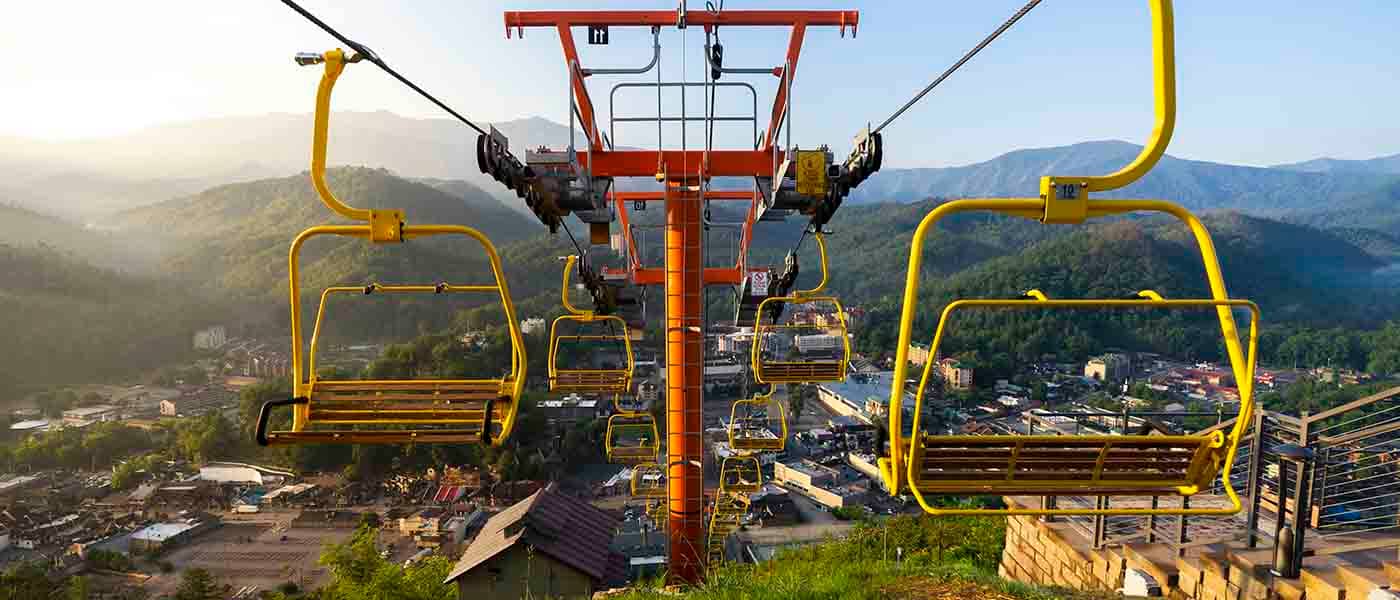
x=826 y=327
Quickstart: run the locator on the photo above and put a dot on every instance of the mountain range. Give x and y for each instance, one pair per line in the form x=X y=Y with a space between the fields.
x=1382 y=164
x=90 y=179
x=1195 y=184
x=1310 y=241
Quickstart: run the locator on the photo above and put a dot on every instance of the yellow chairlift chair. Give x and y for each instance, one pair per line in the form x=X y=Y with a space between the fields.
x=632 y=439
x=657 y=512
x=1049 y=465
x=726 y=517
x=1080 y=465
x=611 y=333
x=740 y=474
x=649 y=481
x=758 y=424
x=389 y=411
x=787 y=323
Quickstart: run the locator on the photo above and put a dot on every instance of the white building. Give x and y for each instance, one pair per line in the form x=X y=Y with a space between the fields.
x=1109 y=367
x=532 y=325
x=89 y=414
x=30 y=426
x=210 y=338
x=231 y=475
x=824 y=343
x=742 y=341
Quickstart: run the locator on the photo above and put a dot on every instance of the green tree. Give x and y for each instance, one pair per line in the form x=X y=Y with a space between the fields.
x=1040 y=392
x=198 y=584
x=797 y=400
x=77 y=589
x=359 y=573
x=25 y=581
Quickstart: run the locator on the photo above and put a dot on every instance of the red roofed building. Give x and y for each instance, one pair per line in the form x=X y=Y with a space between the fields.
x=548 y=545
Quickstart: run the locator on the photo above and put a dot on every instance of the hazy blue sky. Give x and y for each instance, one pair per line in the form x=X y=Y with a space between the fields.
x=1260 y=81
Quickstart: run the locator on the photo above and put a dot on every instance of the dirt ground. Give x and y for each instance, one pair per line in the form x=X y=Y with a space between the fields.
x=242 y=554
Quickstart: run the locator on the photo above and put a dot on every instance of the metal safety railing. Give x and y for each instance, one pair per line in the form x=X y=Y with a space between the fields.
x=683 y=119
x=1330 y=479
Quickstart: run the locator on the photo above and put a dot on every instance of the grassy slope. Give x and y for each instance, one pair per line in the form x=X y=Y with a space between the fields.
x=863 y=566
x=798 y=576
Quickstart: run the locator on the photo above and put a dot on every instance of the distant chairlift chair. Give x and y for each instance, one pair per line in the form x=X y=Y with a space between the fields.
x=610 y=330
x=787 y=322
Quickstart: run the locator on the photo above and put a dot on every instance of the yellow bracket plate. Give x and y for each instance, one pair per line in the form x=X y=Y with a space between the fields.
x=811 y=173
x=1066 y=200
x=386 y=225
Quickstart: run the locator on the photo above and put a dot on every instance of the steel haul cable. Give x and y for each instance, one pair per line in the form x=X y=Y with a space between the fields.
x=374 y=58
x=966 y=57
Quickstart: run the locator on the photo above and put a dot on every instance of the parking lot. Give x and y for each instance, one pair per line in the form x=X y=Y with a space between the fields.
x=265 y=555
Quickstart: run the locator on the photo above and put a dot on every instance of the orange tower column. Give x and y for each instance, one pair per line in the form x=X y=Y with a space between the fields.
x=685 y=361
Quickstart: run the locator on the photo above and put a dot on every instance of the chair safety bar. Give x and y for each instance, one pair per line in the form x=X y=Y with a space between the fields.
x=769 y=371
x=657 y=512
x=641 y=435
x=1094 y=465
x=1035 y=208
x=602 y=381
x=741 y=474
x=636 y=409
x=753 y=432
x=478 y=409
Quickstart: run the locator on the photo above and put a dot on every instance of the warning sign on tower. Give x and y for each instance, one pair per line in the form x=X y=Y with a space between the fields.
x=758 y=283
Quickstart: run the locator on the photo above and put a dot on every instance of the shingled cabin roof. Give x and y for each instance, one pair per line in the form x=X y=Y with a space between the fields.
x=564 y=528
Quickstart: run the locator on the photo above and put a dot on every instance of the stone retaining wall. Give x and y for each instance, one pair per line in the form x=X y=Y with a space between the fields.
x=1055 y=554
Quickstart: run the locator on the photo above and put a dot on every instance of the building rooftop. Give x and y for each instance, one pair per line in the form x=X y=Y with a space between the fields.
x=14 y=482
x=859 y=387
x=30 y=425
x=289 y=490
x=723 y=369
x=564 y=528
x=88 y=411
x=143 y=492
x=569 y=403
x=231 y=474
x=809 y=468
x=164 y=531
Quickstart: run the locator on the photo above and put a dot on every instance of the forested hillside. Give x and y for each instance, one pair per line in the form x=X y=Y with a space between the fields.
x=66 y=321
x=1303 y=280
x=234 y=241
x=231 y=242
x=128 y=252
x=237 y=237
